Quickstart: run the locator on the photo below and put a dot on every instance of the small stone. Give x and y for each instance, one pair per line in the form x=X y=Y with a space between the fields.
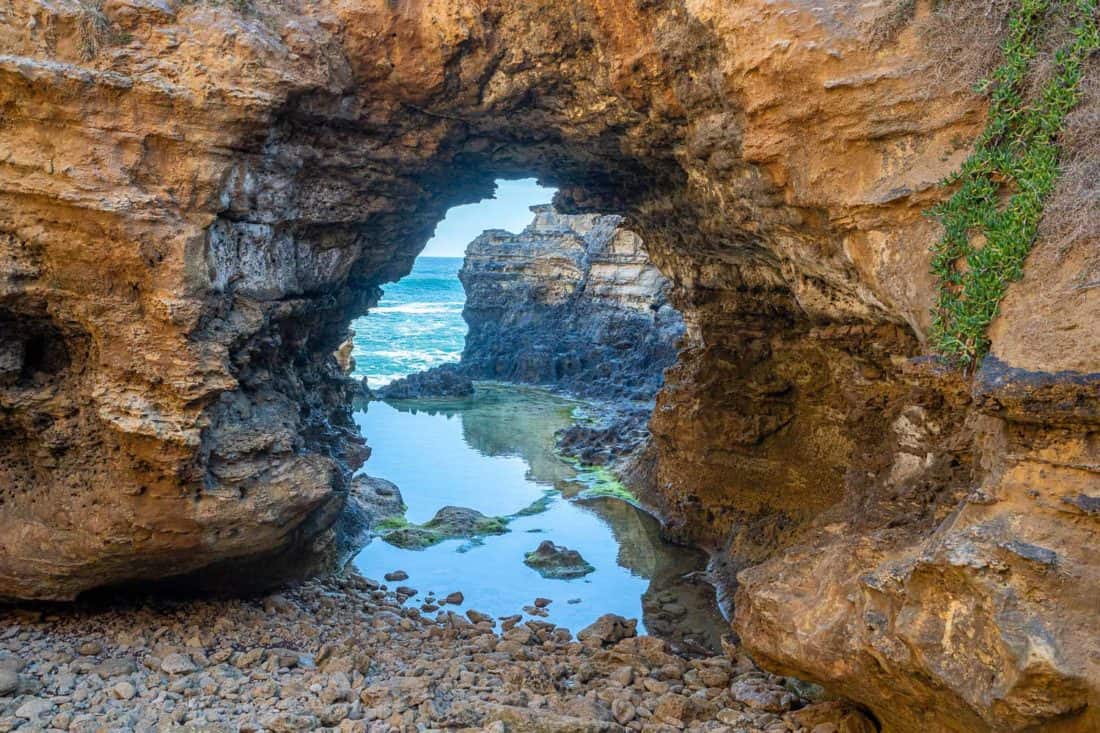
x=607 y=630
x=396 y=575
x=123 y=691
x=404 y=590
x=34 y=708
x=455 y=599
x=542 y=602
x=114 y=668
x=759 y=695
x=623 y=675
x=90 y=648
x=177 y=663
x=288 y=658
x=623 y=710
x=248 y=659
x=9 y=682
x=478 y=617
x=714 y=677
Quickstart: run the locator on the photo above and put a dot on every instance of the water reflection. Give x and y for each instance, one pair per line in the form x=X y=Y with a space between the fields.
x=494 y=452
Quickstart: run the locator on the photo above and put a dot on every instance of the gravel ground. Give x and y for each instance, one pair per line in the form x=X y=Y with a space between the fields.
x=349 y=654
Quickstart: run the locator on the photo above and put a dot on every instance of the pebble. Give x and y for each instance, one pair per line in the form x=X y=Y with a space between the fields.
x=455 y=599
x=396 y=575
x=623 y=710
x=9 y=682
x=177 y=663
x=124 y=691
x=337 y=654
x=34 y=708
x=542 y=602
x=90 y=648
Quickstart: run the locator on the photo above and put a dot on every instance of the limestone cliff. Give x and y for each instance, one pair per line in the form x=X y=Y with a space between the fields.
x=195 y=199
x=572 y=302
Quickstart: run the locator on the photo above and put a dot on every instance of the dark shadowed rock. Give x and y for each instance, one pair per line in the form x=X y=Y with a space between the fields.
x=446 y=380
x=572 y=302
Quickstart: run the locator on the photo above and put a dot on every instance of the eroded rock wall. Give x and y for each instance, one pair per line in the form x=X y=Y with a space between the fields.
x=573 y=302
x=195 y=200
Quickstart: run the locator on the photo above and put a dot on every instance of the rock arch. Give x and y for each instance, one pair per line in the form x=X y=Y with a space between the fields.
x=211 y=194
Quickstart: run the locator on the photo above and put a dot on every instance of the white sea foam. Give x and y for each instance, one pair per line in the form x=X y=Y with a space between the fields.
x=420 y=308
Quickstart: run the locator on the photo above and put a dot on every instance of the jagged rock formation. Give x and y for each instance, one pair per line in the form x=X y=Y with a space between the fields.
x=572 y=302
x=196 y=199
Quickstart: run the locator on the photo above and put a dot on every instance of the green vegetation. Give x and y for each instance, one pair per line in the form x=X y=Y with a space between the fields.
x=991 y=220
x=601 y=482
x=449 y=523
x=392 y=523
x=538 y=506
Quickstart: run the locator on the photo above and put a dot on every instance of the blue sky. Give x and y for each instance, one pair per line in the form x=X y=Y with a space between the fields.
x=506 y=210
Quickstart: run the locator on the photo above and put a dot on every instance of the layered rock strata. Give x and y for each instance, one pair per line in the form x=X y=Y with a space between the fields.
x=572 y=302
x=196 y=199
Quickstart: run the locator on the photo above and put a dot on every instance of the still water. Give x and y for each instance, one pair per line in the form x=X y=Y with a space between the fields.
x=494 y=452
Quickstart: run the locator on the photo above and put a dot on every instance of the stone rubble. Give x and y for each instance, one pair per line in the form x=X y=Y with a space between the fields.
x=342 y=654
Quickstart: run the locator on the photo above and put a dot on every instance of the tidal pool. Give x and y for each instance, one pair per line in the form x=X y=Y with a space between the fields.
x=494 y=452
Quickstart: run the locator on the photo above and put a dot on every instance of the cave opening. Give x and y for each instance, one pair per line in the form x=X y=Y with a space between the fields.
x=509 y=379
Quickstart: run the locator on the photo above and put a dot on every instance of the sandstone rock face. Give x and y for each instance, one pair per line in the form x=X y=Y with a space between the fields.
x=196 y=199
x=571 y=301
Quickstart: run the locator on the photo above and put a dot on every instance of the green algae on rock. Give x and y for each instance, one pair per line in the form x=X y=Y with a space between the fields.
x=449 y=523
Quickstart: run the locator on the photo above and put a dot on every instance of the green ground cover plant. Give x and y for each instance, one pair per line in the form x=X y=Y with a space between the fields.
x=990 y=221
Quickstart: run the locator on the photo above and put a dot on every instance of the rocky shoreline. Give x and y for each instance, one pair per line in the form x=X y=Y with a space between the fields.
x=348 y=654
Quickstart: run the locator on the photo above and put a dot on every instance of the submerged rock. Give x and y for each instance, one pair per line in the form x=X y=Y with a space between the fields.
x=449 y=523
x=555 y=561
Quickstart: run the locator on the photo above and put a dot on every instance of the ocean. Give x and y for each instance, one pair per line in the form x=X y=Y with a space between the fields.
x=417 y=324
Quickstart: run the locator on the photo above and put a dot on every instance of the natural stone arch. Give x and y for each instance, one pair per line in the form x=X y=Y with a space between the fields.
x=212 y=202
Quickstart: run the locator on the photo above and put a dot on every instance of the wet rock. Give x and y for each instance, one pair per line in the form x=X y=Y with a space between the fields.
x=455 y=599
x=396 y=575
x=446 y=380
x=450 y=522
x=554 y=561
x=478 y=617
